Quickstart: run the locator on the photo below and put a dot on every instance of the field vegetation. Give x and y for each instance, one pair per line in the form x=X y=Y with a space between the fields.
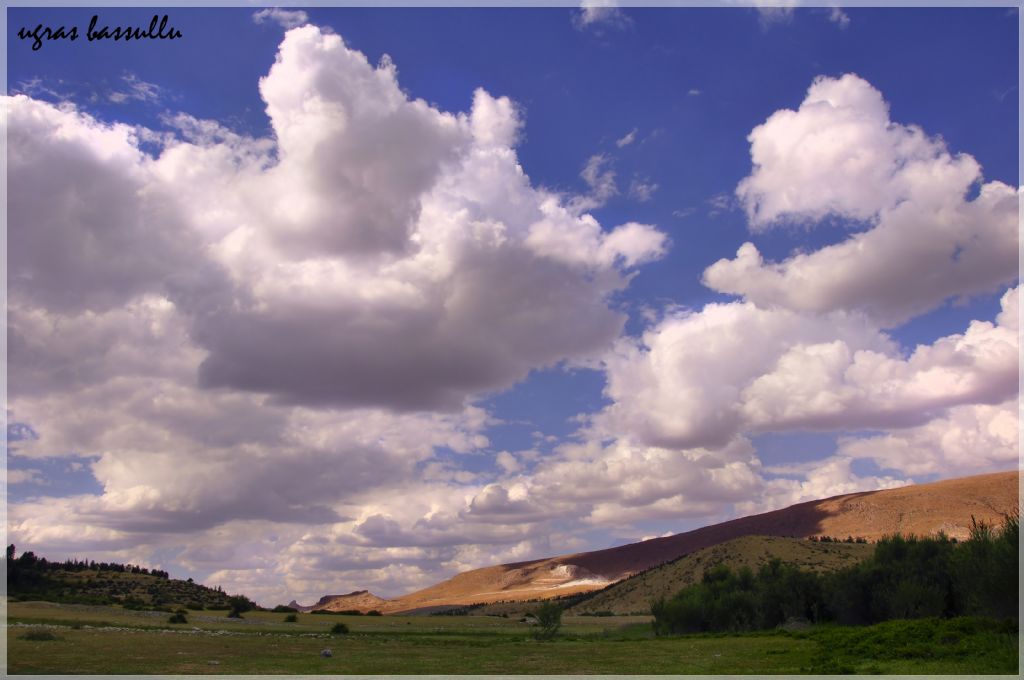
x=56 y=638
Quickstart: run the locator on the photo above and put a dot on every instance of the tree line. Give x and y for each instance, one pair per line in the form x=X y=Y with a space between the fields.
x=28 y=562
x=906 y=577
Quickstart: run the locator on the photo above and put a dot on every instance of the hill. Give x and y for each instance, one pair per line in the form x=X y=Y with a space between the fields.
x=35 y=578
x=362 y=601
x=634 y=594
x=921 y=509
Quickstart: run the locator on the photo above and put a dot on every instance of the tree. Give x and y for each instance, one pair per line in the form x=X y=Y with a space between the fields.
x=239 y=604
x=549 y=620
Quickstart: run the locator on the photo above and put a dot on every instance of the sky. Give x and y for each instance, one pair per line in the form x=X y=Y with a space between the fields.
x=313 y=301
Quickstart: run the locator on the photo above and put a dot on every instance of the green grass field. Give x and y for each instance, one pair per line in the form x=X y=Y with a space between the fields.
x=102 y=640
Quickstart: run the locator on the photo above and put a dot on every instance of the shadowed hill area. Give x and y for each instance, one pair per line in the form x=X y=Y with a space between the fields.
x=634 y=595
x=921 y=509
x=35 y=578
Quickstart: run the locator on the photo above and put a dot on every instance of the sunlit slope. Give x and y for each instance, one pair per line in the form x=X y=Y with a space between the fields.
x=921 y=509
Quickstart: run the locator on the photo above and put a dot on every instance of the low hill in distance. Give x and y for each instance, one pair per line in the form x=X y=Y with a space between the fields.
x=34 y=578
x=635 y=594
x=921 y=509
x=360 y=600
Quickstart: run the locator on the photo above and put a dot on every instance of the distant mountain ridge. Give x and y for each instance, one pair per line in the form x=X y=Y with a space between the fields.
x=921 y=509
x=358 y=600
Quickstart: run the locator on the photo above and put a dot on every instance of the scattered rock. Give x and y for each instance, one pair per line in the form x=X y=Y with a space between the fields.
x=795 y=623
x=326 y=653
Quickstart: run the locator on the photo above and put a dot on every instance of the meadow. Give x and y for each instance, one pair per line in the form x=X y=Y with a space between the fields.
x=52 y=638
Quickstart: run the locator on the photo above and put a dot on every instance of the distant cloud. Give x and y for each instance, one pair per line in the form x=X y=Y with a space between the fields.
x=780 y=13
x=839 y=17
x=598 y=14
x=628 y=139
x=684 y=212
x=34 y=87
x=721 y=203
x=1003 y=94
x=285 y=18
x=694 y=92
x=642 y=190
x=600 y=179
x=29 y=476
x=137 y=90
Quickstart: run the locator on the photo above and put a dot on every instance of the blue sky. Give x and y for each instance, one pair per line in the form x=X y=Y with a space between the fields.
x=363 y=326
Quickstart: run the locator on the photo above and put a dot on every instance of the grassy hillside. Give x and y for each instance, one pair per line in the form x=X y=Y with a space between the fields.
x=634 y=595
x=33 y=578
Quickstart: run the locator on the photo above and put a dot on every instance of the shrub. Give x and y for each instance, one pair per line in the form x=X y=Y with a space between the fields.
x=240 y=603
x=549 y=620
x=291 y=618
x=373 y=612
x=38 y=636
x=177 y=617
x=339 y=629
x=283 y=609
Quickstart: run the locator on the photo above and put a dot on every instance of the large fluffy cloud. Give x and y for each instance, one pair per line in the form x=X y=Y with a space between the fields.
x=683 y=383
x=380 y=252
x=84 y=229
x=703 y=378
x=279 y=336
x=967 y=440
x=839 y=155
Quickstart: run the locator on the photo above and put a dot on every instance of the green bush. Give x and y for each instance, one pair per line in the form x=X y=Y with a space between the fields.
x=291 y=618
x=339 y=629
x=549 y=620
x=177 y=617
x=38 y=636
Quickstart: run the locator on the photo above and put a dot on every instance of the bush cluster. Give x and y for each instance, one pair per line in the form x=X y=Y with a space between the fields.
x=549 y=620
x=905 y=578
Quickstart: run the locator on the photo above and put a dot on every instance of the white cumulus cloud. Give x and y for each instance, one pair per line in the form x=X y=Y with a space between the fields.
x=925 y=240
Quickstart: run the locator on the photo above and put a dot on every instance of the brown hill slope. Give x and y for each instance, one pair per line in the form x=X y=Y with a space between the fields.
x=919 y=509
x=359 y=600
x=634 y=595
